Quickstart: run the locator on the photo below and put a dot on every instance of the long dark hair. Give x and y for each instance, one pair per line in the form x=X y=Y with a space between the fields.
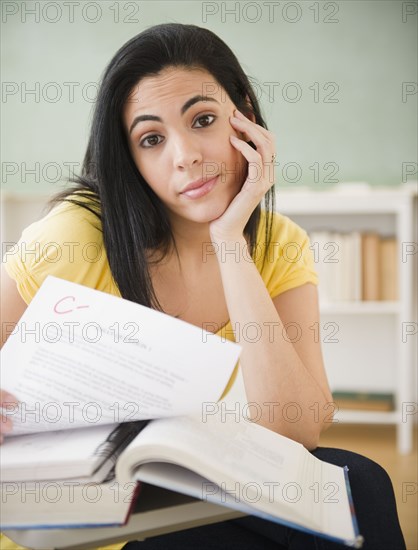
x=133 y=219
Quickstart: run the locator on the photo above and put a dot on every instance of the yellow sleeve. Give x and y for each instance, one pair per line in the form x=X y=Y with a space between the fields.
x=289 y=262
x=66 y=243
x=8 y=544
x=113 y=546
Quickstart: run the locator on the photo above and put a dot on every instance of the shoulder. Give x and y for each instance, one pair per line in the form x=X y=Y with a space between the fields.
x=68 y=243
x=66 y=222
x=282 y=227
x=284 y=239
x=287 y=260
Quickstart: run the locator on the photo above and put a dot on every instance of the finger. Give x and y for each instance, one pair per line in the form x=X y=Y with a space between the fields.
x=250 y=128
x=263 y=143
x=241 y=116
x=7 y=398
x=6 y=424
x=251 y=154
x=256 y=172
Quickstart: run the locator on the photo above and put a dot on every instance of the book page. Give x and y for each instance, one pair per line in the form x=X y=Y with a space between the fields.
x=235 y=454
x=82 y=357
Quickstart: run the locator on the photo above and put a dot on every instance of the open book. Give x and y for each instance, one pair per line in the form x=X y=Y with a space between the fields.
x=240 y=465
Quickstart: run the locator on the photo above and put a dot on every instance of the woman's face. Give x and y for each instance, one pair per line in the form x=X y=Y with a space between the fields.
x=186 y=141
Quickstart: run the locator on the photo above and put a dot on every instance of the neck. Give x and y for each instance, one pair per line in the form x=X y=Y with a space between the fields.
x=193 y=243
x=192 y=238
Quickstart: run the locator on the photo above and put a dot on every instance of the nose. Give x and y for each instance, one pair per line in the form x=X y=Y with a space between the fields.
x=186 y=151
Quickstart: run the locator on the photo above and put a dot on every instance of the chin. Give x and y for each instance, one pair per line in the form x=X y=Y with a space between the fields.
x=208 y=213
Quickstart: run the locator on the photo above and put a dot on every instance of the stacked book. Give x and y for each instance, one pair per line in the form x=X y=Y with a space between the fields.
x=355 y=266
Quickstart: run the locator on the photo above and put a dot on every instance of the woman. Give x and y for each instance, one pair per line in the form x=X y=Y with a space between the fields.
x=178 y=162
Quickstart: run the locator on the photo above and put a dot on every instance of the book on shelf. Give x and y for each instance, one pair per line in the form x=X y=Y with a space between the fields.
x=365 y=401
x=325 y=253
x=371 y=273
x=355 y=266
x=388 y=258
x=380 y=273
x=79 y=457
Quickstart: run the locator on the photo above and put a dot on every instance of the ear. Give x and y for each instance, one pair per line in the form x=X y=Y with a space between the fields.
x=249 y=113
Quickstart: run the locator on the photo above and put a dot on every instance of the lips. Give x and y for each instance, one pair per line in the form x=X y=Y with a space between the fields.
x=199 y=188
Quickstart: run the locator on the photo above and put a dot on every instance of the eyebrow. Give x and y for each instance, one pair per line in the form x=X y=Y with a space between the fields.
x=187 y=105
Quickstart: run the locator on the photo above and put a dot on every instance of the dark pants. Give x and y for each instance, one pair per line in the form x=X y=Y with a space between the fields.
x=374 y=503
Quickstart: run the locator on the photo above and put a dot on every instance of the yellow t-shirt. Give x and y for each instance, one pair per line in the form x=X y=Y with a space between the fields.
x=68 y=243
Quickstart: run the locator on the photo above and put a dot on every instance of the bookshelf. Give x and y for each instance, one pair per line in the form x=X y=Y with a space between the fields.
x=368 y=346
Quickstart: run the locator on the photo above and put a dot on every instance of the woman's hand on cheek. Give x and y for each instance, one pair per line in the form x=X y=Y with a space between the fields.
x=260 y=177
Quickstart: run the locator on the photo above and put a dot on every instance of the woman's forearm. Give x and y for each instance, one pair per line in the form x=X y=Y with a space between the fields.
x=286 y=397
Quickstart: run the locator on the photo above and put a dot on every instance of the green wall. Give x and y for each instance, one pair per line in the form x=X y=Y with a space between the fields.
x=338 y=70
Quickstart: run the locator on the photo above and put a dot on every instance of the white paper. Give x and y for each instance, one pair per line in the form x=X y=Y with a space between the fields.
x=81 y=357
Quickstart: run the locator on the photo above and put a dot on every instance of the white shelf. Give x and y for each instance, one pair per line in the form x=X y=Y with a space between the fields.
x=364 y=345
x=355 y=308
x=344 y=416
x=373 y=201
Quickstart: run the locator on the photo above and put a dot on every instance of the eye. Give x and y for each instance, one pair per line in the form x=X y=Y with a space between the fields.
x=145 y=140
x=205 y=117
